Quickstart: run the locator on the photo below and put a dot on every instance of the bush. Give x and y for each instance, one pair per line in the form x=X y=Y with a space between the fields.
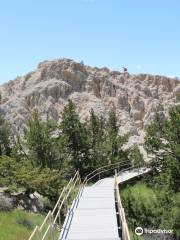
x=46 y=203
x=148 y=207
x=23 y=220
x=5 y=204
x=140 y=200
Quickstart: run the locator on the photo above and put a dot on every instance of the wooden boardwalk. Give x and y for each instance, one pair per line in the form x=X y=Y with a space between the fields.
x=96 y=212
x=95 y=215
x=92 y=215
x=126 y=175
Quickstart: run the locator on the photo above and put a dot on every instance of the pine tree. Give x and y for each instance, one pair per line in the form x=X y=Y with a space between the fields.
x=112 y=137
x=114 y=141
x=113 y=132
x=39 y=142
x=96 y=140
x=76 y=138
x=4 y=135
x=163 y=140
x=136 y=157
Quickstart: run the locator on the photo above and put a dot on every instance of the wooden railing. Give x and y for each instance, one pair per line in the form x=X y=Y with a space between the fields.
x=122 y=219
x=53 y=225
x=49 y=230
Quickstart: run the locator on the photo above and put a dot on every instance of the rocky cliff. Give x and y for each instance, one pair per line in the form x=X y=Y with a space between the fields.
x=136 y=98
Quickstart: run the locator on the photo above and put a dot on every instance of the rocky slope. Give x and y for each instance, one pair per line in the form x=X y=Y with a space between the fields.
x=136 y=98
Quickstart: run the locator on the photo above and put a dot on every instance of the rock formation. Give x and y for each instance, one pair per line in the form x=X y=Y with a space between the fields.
x=136 y=98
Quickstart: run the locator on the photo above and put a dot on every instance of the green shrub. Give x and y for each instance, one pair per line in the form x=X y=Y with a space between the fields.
x=148 y=207
x=23 y=220
x=45 y=203
x=5 y=204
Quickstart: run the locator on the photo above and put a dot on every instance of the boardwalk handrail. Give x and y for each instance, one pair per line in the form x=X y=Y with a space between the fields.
x=121 y=213
x=49 y=222
x=65 y=229
x=89 y=177
x=49 y=225
x=103 y=169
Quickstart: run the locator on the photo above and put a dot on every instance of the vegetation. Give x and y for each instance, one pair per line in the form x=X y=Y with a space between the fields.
x=18 y=224
x=148 y=207
x=45 y=157
x=4 y=137
x=48 y=154
x=163 y=141
x=5 y=204
x=155 y=202
x=136 y=157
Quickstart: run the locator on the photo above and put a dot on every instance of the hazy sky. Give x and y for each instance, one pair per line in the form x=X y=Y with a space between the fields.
x=143 y=35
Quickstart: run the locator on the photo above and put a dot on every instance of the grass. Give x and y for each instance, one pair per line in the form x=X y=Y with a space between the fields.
x=133 y=236
x=142 y=199
x=19 y=224
x=142 y=192
x=149 y=207
x=12 y=227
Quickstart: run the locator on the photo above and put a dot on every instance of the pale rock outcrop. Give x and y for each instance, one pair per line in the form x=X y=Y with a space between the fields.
x=135 y=98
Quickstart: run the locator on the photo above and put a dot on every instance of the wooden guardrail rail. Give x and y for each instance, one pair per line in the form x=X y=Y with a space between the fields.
x=52 y=225
x=49 y=228
x=121 y=213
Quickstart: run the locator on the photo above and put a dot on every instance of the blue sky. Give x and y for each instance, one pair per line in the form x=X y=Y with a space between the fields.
x=142 y=35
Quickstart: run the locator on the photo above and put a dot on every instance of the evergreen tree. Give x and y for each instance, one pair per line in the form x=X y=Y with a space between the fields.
x=62 y=157
x=112 y=135
x=96 y=140
x=15 y=175
x=114 y=141
x=112 y=123
x=163 y=140
x=40 y=142
x=154 y=139
x=136 y=157
x=76 y=138
x=4 y=135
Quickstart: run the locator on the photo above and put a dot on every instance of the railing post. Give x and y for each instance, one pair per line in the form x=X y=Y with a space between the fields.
x=67 y=204
x=115 y=174
x=52 y=227
x=66 y=201
x=39 y=233
x=79 y=179
x=59 y=218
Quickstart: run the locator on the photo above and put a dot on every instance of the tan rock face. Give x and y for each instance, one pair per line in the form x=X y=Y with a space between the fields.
x=136 y=98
